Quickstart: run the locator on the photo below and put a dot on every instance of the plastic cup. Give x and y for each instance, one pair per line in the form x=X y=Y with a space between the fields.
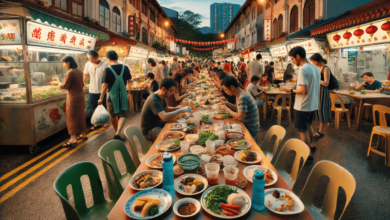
x=197 y=120
x=230 y=174
x=212 y=172
x=210 y=146
x=185 y=147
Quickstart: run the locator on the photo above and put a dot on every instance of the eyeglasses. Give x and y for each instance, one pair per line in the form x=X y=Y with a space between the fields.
x=172 y=91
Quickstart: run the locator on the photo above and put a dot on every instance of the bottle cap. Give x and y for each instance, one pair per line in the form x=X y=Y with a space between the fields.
x=259 y=174
x=167 y=157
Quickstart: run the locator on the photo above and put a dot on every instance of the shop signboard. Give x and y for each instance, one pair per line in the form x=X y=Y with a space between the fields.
x=43 y=35
x=230 y=46
x=131 y=27
x=152 y=55
x=267 y=30
x=184 y=51
x=172 y=46
x=279 y=51
x=138 y=52
x=122 y=51
x=252 y=55
x=178 y=50
x=10 y=32
x=310 y=46
x=362 y=35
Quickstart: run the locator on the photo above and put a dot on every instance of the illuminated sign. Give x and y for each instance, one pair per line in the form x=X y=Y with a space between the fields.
x=138 y=52
x=267 y=30
x=122 y=51
x=279 y=51
x=310 y=46
x=10 y=32
x=152 y=55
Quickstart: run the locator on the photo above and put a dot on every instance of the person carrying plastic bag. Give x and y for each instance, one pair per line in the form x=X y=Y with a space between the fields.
x=100 y=116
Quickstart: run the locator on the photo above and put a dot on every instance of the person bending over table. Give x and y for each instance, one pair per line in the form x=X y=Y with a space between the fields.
x=252 y=88
x=155 y=113
x=370 y=85
x=221 y=75
x=151 y=85
x=246 y=108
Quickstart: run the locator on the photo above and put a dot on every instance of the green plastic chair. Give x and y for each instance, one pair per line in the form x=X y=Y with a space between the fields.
x=338 y=177
x=301 y=151
x=130 y=132
x=71 y=176
x=279 y=132
x=116 y=182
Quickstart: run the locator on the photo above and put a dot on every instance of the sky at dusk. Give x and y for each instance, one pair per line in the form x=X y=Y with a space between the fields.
x=201 y=7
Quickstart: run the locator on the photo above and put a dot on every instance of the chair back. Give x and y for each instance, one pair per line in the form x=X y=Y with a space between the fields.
x=301 y=151
x=279 y=132
x=333 y=105
x=106 y=154
x=382 y=110
x=130 y=132
x=284 y=98
x=71 y=176
x=338 y=177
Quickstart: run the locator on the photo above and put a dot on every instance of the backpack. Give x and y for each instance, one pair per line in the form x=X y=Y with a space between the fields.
x=333 y=83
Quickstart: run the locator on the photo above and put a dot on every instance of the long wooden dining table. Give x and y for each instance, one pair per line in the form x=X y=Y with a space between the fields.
x=118 y=213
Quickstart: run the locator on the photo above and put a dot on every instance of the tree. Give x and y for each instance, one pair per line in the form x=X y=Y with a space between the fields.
x=191 y=18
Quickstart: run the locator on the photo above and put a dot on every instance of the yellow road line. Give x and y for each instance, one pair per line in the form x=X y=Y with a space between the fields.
x=32 y=169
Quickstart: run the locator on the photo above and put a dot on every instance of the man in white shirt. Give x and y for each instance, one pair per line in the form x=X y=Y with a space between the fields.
x=255 y=67
x=306 y=100
x=94 y=69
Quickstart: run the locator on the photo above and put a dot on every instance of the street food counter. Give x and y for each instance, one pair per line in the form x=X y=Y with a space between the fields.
x=280 y=58
x=32 y=104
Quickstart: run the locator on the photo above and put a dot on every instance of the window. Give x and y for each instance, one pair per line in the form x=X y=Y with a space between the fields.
x=152 y=16
x=280 y=25
x=116 y=19
x=144 y=8
x=309 y=13
x=294 y=20
x=104 y=14
x=62 y=5
x=259 y=9
x=145 y=37
x=77 y=7
x=275 y=29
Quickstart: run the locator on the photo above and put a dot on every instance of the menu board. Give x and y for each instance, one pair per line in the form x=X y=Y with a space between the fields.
x=138 y=52
x=310 y=46
x=122 y=51
x=42 y=35
x=279 y=51
x=10 y=32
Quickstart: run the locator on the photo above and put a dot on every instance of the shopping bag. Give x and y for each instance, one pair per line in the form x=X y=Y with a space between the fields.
x=100 y=116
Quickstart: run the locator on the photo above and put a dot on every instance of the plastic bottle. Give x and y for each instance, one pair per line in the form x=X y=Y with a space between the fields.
x=258 y=193
x=168 y=178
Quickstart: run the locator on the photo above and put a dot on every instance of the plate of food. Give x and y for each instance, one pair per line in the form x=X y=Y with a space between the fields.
x=226 y=202
x=283 y=202
x=238 y=144
x=146 y=180
x=222 y=114
x=168 y=145
x=247 y=156
x=192 y=137
x=191 y=184
x=183 y=115
x=171 y=135
x=155 y=161
x=269 y=175
x=148 y=204
x=176 y=126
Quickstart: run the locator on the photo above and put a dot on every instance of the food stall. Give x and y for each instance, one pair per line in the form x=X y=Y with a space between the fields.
x=32 y=104
x=266 y=58
x=280 y=58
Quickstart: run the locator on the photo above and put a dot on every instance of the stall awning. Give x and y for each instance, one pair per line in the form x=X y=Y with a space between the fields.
x=161 y=52
x=43 y=17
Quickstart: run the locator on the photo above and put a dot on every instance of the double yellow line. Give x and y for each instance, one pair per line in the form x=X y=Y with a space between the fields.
x=40 y=164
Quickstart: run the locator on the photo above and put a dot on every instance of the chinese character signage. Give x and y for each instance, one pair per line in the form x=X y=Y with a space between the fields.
x=279 y=51
x=122 y=51
x=131 y=26
x=152 y=55
x=172 y=46
x=138 y=52
x=184 y=51
x=42 y=35
x=10 y=32
x=310 y=46
x=267 y=30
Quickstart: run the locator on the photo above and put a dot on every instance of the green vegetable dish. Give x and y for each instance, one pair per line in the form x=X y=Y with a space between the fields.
x=153 y=210
x=208 y=135
x=205 y=118
x=176 y=142
x=217 y=196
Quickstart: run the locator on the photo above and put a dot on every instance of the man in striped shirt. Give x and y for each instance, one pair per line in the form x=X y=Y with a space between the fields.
x=245 y=109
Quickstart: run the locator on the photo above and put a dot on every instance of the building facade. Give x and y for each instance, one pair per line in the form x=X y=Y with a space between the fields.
x=221 y=14
x=204 y=30
x=171 y=13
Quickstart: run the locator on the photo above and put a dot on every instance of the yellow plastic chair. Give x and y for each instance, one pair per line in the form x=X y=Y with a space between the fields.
x=339 y=111
x=338 y=177
x=138 y=157
x=381 y=130
x=286 y=106
x=301 y=151
x=277 y=131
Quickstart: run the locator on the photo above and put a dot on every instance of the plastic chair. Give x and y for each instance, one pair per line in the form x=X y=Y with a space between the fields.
x=381 y=130
x=301 y=151
x=279 y=132
x=71 y=176
x=285 y=106
x=339 y=111
x=118 y=182
x=338 y=177
x=130 y=132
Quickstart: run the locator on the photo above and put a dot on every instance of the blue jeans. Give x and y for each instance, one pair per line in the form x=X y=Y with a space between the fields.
x=259 y=102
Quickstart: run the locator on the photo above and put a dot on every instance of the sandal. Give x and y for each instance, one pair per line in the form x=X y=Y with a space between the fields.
x=82 y=138
x=69 y=144
x=93 y=127
x=320 y=135
x=313 y=149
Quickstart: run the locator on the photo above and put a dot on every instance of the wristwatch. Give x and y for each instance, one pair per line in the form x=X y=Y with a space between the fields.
x=292 y=90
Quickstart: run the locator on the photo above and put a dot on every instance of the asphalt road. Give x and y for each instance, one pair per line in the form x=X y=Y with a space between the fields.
x=28 y=193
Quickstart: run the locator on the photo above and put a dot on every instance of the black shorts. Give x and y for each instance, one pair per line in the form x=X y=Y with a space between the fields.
x=303 y=120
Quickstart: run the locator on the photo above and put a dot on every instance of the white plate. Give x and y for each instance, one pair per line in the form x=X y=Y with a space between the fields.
x=192 y=135
x=244 y=210
x=248 y=168
x=196 y=176
x=166 y=150
x=151 y=158
x=185 y=201
x=298 y=206
x=236 y=156
x=143 y=172
x=182 y=126
x=164 y=134
x=164 y=197
x=247 y=145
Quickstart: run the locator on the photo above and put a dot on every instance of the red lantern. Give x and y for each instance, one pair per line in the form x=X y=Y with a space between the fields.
x=336 y=38
x=358 y=32
x=180 y=41
x=371 y=30
x=347 y=35
x=386 y=26
x=176 y=40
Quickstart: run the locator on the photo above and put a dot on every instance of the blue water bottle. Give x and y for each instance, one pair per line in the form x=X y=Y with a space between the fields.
x=167 y=165
x=258 y=193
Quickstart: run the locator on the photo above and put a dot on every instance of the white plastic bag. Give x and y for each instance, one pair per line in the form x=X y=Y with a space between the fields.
x=100 y=116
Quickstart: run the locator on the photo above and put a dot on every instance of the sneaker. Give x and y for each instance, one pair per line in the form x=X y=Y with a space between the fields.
x=310 y=159
x=313 y=149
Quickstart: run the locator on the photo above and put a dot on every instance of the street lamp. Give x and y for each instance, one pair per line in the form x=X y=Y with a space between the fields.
x=222 y=35
x=166 y=23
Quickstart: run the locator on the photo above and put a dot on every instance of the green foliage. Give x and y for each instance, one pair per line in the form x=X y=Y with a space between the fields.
x=157 y=45
x=234 y=51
